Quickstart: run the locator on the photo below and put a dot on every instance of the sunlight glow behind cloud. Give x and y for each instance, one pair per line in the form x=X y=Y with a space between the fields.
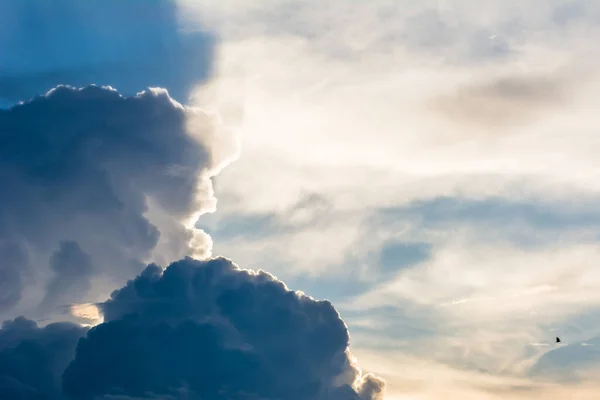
x=380 y=105
x=432 y=166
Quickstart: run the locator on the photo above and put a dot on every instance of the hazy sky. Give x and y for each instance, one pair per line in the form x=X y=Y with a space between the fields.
x=430 y=168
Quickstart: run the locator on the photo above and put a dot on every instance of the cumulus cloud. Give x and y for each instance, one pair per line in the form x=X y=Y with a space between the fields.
x=102 y=181
x=129 y=45
x=197 y=329
x=99 y=184
x=32 y=359
x=216 y=331
x=12 y=269
x=72 y=268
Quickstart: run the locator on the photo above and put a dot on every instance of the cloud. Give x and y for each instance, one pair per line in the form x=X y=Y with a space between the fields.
x=99 y=184
x=32 y=359
x=363 y=78
x=129 y=45
x=353 y=122
x=480 y=305
x=216 y=331
x=104 y=180
x=13 y=265
x=193 y=330
x=499 y=192
x=73 y=269
x=508 y=101
x=528 y=223
x=291 y=236
x=477 y=280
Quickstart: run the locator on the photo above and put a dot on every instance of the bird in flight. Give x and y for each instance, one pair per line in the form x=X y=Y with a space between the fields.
x=557 y=340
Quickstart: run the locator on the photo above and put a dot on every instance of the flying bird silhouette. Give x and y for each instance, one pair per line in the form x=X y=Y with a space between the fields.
x=557 y=340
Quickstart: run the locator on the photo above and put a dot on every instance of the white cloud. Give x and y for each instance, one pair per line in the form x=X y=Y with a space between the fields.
x=113 y=154
x=470 y=274
x=372 y=137
x=491 y=302
x=380 y=104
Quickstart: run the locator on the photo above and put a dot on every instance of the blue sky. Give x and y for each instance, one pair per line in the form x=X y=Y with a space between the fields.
x=430 y=168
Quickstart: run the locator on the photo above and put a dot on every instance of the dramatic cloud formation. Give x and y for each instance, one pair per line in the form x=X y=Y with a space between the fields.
x=431 y=166
x=99 y=184
x=72 y=268
x=129 y=45
x=198 y=324
x=32 y=359
x=199 y=329
x=106 y=172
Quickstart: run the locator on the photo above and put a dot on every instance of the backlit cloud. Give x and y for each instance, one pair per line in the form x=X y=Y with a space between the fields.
x=465 y=126
x=194 y=330
x=99 y=184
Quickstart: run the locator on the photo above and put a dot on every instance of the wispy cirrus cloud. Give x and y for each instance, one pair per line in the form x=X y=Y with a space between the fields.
x=467 y=126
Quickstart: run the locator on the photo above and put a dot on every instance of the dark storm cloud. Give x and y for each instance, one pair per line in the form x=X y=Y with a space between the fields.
x=73 y=269
x=77 y=167
x=218 y=332
x=129 y=45
x=32 y=359
x=13 y=267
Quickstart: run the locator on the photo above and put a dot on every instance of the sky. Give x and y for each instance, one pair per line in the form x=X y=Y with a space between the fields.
x=299 y=199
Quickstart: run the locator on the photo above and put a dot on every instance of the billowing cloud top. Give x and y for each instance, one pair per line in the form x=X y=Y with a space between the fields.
x=82 y=167
x=197 y=330
x=99 y=183
x=103 y=172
